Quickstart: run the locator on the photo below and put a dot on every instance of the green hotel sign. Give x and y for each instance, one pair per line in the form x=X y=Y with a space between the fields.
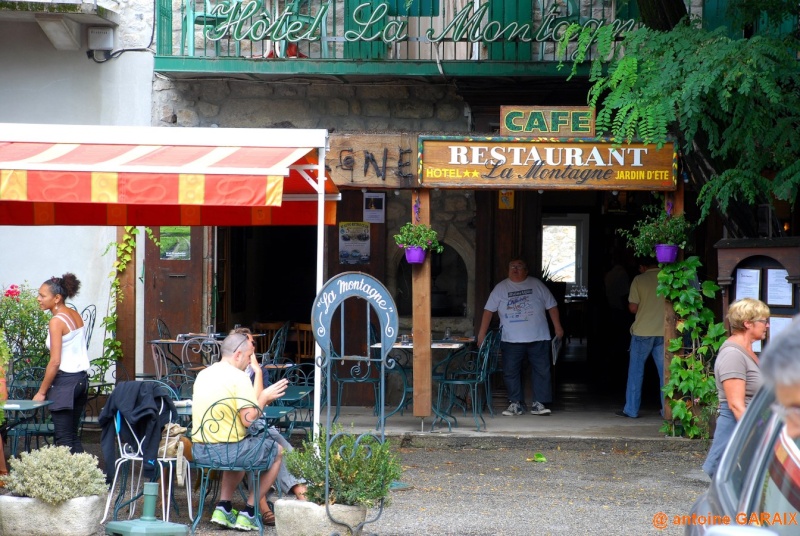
x=372 y=22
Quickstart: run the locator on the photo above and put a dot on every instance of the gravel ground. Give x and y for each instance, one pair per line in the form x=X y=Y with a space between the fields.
x=495 y=491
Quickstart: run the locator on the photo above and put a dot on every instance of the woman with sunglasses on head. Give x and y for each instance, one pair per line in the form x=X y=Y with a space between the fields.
x=737 y=372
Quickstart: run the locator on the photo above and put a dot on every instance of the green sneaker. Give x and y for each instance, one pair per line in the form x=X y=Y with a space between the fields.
x=221 y=517
x=245 y=522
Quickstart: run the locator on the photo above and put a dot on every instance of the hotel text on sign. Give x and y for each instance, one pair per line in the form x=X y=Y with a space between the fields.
x=545 y=164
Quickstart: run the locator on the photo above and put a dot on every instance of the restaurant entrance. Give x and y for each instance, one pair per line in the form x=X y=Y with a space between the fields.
x=587 y=262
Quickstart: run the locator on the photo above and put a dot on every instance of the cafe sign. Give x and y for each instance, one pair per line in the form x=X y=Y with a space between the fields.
x=545 y=164
x=561 y=121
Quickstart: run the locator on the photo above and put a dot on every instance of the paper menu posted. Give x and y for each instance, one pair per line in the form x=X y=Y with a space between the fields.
x=748 y=283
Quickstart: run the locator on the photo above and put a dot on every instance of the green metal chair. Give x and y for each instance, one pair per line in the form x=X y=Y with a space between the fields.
x=218 y=418
x=208 y=17
x=470 y=375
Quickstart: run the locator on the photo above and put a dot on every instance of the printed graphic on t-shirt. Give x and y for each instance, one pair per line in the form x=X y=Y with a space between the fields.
x=519 y=305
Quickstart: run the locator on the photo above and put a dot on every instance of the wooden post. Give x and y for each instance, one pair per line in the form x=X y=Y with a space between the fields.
x=126 y=314
x=421 y=312
x=670 y=320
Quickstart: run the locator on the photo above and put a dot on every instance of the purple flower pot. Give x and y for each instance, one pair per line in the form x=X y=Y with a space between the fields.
x=415 y=255
x=666 y=252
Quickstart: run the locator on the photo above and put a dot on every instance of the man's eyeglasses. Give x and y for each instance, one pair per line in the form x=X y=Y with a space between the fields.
x=516 y=266
x=240 y=345
x=783 y=412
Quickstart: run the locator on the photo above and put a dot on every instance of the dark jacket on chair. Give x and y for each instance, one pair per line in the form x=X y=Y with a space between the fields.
x=139 y=403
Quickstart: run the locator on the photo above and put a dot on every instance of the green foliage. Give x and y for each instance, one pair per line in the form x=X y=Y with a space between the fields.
x=659 y=227
x=361 y=468
x=419 y=235
x=54 y=475
x=5 y=357
x=691 y=388
x=124 y=250
x=24 y=323
x=732 y=104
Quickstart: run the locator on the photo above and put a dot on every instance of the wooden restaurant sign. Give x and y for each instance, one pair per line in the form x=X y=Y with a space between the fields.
x=545 y=164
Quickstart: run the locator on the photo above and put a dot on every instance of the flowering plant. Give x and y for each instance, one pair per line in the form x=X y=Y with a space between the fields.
x=24 y=324
x=662 y=227
x=419 y=235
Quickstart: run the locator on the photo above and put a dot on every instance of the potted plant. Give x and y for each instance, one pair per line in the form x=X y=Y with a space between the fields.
x=416 y=239
x=361 y=471
x=691 y=390
x=52 y=484
x=660 y=234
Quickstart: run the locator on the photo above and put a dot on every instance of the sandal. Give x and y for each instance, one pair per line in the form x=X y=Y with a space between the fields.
x=268 y=518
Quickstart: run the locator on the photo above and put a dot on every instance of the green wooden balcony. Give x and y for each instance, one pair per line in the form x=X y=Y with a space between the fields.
x=357 y=38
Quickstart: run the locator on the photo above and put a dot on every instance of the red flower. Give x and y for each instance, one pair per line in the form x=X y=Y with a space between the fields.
x=12 y=292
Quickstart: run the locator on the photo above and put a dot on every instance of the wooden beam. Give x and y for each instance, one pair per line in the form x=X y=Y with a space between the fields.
x=373 y=160
x=675 y=199
x=421 y=313
x=126 y=313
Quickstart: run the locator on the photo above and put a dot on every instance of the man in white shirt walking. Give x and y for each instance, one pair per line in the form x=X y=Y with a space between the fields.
x=521 y=302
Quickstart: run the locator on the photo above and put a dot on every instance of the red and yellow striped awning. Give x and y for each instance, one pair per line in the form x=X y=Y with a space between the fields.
x=89 y=175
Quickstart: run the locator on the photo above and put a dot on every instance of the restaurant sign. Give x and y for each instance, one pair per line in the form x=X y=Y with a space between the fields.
x=545 y=164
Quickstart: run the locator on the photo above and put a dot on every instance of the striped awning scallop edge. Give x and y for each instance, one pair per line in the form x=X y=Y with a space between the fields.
x=101 y=175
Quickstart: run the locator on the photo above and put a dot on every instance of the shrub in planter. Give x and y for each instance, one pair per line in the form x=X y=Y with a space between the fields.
x=361 y=469
x=658 y=227
x=53 y=484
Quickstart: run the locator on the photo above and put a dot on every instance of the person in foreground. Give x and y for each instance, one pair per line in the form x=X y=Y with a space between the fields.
x=780 y=369
x=647 y=335
x=227 y=379
x=737 y=372
x=521 y=302
x=66 y=382
x=287 y=481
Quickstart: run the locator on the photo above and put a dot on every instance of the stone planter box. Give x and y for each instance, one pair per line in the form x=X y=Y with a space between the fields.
x=23 y=516
x=302 y=518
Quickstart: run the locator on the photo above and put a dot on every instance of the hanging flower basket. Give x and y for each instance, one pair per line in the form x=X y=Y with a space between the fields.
x=415 y=255
x=666 y=252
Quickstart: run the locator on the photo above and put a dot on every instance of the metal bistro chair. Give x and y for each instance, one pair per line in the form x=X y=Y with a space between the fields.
x=220 y=424
x=131 y=441
x=356 y=370
x=271 y=346
x=472 y=376
x=197 y=353
x=36 y=423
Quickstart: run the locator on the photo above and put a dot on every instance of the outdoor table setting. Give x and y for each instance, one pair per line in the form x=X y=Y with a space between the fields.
x=20 y=412
x=454 y=347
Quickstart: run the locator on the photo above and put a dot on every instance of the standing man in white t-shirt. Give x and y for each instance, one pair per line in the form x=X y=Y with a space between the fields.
x=521 y=302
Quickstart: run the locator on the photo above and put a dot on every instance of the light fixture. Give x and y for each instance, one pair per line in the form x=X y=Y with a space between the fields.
x=541 y=192
x=363 y=190
x=614 y=192
x=63 y=33
x=397 y=192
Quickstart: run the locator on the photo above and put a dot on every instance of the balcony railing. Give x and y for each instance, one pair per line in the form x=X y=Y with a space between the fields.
x=454 y=37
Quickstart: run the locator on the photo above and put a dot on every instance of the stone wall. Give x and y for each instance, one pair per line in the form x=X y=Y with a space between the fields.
x=399 y=106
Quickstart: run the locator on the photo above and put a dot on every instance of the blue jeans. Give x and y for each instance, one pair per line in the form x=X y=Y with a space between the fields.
x=641 y=349
x=538 y=355
x=726 y=423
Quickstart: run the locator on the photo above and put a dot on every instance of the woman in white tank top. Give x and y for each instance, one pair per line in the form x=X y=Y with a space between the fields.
x=65 y=382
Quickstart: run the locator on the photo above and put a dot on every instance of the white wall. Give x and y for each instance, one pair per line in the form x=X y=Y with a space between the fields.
x=39 y=84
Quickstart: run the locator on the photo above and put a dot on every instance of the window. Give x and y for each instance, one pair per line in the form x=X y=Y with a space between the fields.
x=565 y=245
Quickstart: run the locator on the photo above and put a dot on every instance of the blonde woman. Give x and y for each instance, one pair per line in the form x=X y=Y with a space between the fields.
x=736 y=371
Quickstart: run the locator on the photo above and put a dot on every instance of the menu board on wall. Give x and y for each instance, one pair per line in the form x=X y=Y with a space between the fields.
x=748 y=283
x=354 y=242
x=779 y=290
